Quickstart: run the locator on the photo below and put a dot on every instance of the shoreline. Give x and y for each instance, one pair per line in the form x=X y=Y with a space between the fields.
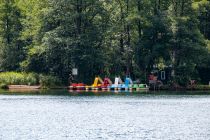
x=164 y=88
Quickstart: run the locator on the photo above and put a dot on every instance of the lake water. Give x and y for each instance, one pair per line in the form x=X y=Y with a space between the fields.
x=61 y=115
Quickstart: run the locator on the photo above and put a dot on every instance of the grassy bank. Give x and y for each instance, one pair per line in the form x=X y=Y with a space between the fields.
x=199 y=87
x=194 y=87
x=16 y=78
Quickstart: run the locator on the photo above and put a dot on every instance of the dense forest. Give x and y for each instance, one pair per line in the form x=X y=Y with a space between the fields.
x=106 y=37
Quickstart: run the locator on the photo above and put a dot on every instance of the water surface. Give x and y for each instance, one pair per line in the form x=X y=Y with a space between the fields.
x=62 y=115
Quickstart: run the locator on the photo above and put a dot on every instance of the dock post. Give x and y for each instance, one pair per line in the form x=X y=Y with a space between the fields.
x=118 y=89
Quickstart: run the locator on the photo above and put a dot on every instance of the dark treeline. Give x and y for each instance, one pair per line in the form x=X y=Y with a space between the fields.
x=106 y=37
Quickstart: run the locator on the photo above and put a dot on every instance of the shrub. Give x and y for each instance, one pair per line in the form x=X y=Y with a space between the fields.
x=185 y=73
x=47 y=81
x=200 y=87
x=3 y=86
x=15 y=78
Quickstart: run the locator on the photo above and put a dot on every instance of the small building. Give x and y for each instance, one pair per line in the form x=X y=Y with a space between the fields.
x=163 y=75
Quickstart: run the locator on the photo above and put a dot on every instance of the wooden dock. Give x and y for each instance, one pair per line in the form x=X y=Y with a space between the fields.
x=23 y=87
x=106 y=89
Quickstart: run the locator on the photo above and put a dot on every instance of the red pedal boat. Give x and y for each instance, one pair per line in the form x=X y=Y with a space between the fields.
x=106 y=84
x=77 y=86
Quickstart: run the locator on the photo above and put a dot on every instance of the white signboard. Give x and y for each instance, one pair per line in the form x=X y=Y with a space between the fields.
x=163 y=75
x=74 y=71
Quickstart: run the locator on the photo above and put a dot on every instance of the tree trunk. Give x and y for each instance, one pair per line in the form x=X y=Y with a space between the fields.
x=79 y=18
x=139 y=21
x=129 y=61
x=182 y=8
x=121 y=22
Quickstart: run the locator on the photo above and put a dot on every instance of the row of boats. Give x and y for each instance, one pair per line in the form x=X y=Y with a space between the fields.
x=107 y=84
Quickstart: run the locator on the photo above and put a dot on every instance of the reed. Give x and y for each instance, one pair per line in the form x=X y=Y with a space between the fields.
x=22 y=78
x=16 y=78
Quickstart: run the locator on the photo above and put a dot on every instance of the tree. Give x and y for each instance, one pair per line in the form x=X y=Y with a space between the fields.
x=11 y=46
x=73 y=37
x=187 y=40
x=101 y=37
x=32 y=22
x=203 y=13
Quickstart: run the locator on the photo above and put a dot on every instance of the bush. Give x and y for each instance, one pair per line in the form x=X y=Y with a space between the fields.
x=200 y=87
x=47 y=81
x=3 y=86
x=15 y=78
x=185 y=73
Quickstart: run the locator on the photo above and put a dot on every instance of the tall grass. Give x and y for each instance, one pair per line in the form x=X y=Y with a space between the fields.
x=15 y=78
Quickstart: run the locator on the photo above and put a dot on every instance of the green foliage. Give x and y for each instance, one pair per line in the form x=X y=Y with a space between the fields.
x=3 y=86
x=203 y=15
x=107 y=38
x=183 y=74
x=47 y=81
x=200 y=87
x=15 y=78
x=11 y=46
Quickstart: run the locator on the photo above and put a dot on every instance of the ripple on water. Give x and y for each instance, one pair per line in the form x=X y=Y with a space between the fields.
x=111 y=117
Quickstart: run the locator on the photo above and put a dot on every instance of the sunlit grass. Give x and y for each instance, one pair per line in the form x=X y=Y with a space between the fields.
x=22 y=78
x=15 y=78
